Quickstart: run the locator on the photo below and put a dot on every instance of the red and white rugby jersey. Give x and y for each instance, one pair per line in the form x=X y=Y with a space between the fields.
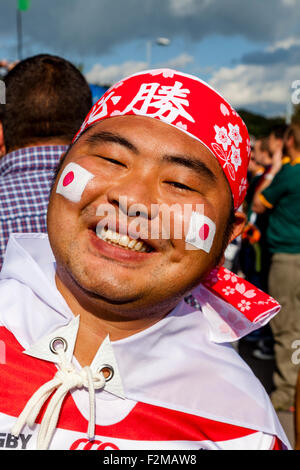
x=182 y=388
x=138 y=426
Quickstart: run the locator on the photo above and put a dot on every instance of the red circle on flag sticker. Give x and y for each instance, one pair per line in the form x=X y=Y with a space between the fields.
x=68 y=178
x=204 y=232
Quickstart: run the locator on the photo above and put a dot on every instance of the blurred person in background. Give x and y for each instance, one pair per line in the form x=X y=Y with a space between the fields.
x=263 y=154
x=6 y=65
x=280 y=196
x=259 y=222
x=255 y=259
x=276 y=142
x=254 y=168
x=234 y=253
x=247 y=253
x=46 y=100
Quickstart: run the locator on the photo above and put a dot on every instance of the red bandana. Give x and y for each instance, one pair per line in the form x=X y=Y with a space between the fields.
x=186 y=102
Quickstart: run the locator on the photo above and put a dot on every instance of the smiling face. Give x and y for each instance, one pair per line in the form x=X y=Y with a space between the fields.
x=136 y=164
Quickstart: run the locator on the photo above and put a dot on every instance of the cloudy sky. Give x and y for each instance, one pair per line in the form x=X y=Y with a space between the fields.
x=248 y=50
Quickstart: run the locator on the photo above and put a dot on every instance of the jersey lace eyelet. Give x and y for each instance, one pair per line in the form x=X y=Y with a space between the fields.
x=107 y=369
x=56 y=343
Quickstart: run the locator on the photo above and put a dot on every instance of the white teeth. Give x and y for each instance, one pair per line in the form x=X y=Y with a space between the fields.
x=131 y=244
x=112 y=235
x=123 y=240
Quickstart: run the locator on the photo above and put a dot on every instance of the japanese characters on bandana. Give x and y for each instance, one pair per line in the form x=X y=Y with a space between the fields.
x=192 y=106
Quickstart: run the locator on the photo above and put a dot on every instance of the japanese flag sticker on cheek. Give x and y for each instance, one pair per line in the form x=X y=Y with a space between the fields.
x=201 y=233
x=73 y=182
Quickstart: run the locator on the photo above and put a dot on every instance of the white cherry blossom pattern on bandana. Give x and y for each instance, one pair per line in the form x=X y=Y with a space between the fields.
x=224 y=110
x=181 y=126
x=225 y=158
x=232 y=306
x=222 y=137
x=235 y=157
x=243 y=187
x=234 y=134
x=189 y=104
x=250 y=301
x=229 y=153
x=248 y=143
x=167 y=73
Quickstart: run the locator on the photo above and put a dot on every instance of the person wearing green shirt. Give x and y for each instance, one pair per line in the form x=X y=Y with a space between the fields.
x=280 y=194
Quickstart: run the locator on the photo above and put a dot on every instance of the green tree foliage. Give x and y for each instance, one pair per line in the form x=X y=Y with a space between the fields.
x=296 y=114
x=259 y=125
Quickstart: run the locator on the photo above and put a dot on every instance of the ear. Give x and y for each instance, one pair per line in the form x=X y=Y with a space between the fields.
x=290 y=142
x=239 y=225
x=2 y=143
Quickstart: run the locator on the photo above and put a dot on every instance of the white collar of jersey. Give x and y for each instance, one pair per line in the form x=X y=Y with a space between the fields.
x=104 y=359
x=176 y=363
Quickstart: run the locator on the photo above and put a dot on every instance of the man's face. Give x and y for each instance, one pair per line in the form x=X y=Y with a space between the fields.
x=138 y=163
x=259 y=157
x=252 y=167
x=274 y=144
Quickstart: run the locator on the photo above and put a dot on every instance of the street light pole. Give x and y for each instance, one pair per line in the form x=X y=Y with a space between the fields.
x=159 y=42
x=19 y=32
x=148 y=53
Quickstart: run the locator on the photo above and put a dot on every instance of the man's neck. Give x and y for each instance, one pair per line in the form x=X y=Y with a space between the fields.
x=294 y=154
x=96 y=323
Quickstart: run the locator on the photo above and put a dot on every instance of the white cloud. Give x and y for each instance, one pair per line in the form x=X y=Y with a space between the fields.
x=183 y=7
x=267 y=89
x=101 y=75
x=284 y=44
x=105 y=75
x=289 y=3
x=100 y=26
x=247 y=85
x=179 y=62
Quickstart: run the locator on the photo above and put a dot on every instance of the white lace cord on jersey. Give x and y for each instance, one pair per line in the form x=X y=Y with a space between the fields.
x=66 y=379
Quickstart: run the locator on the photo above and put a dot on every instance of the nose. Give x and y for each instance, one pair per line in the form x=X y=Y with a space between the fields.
x=135 y=196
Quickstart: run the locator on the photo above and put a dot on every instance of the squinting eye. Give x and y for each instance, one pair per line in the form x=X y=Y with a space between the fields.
x=179 y=185
x=112 y=160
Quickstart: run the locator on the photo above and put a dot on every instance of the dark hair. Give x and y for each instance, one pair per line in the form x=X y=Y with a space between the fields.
x=59 y=167
x=279 y=131
x=228 y=231
x=264 y=146
x=46 y=97
x=294 y=131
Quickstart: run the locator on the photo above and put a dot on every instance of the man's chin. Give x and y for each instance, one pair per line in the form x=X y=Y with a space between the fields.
x=114 y=293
